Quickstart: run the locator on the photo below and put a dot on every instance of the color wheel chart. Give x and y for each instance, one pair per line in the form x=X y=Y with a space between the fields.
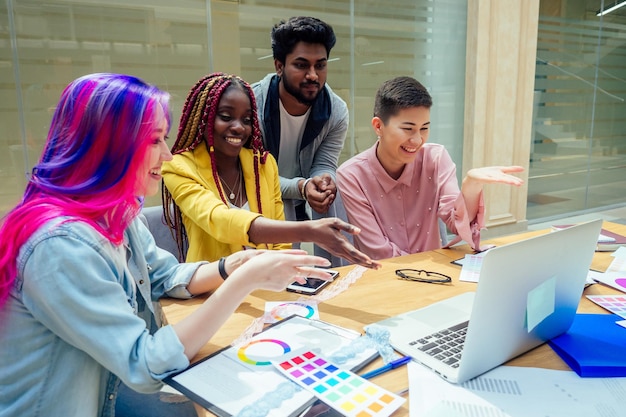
x=342 y=390
x=260 y=352
x=298 y=334
x=279 y=310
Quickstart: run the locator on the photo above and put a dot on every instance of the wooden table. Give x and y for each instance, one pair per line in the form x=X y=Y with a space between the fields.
x=379 y=294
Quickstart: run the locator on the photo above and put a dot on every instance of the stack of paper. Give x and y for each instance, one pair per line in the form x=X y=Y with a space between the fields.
x=607 y=240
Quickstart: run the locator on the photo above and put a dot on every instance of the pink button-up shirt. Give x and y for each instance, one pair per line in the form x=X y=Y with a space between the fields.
x=399 y=217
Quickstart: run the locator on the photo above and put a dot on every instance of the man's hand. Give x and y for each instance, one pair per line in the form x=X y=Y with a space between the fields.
x=320 y=192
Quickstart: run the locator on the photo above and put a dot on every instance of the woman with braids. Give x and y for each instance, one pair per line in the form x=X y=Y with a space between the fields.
x=79 y=271
x=222 y=191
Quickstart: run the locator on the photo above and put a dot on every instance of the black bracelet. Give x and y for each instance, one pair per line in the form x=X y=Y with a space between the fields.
x=221 y=267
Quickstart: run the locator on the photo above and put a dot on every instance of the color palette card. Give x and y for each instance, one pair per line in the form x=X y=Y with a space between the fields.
x=616 y=304
x=342 y=390
x=470 y=271
x=279 y=310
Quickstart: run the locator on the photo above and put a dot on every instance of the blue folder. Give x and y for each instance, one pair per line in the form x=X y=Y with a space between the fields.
x=594 y=346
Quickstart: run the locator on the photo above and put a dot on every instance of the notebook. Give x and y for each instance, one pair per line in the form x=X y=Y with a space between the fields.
x=528 y=293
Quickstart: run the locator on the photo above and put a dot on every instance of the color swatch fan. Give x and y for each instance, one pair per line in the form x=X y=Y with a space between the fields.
x=342 y=390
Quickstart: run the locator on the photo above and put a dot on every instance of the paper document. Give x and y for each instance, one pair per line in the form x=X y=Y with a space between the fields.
x=605 y=239
x=620 y=253
x=615 y=275
x=511 y=391
x=471 y=265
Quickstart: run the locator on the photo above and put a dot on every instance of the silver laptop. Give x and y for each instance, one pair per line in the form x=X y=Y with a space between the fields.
x=527 y=293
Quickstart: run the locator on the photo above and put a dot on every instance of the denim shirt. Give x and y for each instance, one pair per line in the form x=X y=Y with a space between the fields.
x=81 y=317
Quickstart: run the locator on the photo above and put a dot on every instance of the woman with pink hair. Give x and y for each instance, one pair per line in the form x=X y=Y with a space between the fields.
x=79 y=272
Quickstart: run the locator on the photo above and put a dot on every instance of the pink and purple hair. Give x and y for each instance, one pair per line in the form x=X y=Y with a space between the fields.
x=99 y=135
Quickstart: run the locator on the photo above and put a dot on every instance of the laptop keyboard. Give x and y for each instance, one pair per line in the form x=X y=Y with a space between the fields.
x=445 y=345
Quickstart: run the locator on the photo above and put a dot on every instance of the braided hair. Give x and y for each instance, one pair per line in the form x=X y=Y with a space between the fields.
x=196 y=123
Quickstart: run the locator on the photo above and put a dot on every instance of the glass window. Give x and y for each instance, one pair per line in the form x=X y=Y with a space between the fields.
x=46 y=44
x=578 y=154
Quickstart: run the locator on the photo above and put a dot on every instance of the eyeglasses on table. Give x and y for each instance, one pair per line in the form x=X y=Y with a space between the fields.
x=420 y=275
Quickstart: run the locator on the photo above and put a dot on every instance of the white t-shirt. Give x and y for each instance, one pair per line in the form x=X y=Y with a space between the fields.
x=291 y=131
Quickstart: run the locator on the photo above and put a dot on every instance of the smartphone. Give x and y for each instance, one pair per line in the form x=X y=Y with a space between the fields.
x=312 y=285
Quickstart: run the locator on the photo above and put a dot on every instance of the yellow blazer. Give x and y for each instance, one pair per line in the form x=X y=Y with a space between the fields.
x=213 y=228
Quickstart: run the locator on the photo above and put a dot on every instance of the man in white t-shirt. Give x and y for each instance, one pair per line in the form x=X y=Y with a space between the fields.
x=304 y=123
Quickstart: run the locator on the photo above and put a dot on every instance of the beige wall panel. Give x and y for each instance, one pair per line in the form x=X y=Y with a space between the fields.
x=501 y=51
x=226 y=43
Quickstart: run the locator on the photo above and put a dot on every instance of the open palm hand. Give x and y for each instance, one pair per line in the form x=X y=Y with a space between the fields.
x=496 y=174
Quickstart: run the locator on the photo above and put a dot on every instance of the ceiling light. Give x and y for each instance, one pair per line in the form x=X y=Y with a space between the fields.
x=612 y=8
x=372 y=63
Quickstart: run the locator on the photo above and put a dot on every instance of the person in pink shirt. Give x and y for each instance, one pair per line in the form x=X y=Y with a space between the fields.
x=396 y=191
